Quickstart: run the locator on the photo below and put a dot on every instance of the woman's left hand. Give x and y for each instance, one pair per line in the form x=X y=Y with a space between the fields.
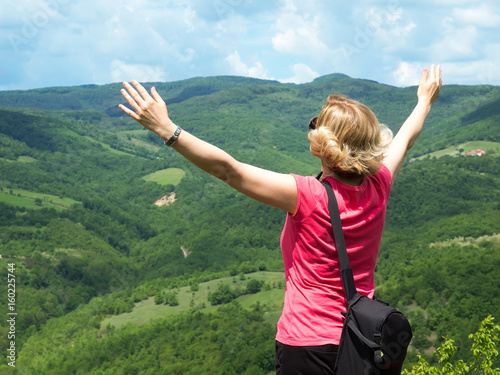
x=150 y=110
x=430 y=85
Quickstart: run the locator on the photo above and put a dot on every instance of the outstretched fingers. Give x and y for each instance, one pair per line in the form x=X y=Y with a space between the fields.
x=432 y=73
x=137 y=97
x=144 y=94
x=425 y=76
x=129 y=112
x=132 y=101
x=156 y=96
x=132 y=96
x=436 y=75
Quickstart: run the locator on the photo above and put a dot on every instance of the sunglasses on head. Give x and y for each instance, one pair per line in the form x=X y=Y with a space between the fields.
x=312 y=123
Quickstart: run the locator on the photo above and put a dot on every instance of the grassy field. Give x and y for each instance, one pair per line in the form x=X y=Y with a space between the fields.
x=111 y=149
x=489 y=147
x=25 y=198
x=26 y=159
x=147 y=310
x=20 y=159
x=170 y=176
x=468 y=241
x=134 y=136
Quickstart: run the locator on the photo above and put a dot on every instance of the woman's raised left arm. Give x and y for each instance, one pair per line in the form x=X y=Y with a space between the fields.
x=428 y=92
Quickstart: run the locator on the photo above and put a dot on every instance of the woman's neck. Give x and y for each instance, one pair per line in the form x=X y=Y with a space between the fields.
x=348 y=180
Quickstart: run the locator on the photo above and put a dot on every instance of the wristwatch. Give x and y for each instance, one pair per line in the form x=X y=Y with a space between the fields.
x=169 y=142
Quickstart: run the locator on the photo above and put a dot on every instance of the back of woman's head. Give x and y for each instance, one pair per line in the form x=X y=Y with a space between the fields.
x=349 y=138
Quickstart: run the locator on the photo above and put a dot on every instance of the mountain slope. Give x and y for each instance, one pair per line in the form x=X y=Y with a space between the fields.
x=97 y=258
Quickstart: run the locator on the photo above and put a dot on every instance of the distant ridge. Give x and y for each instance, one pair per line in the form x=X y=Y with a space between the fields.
x=331 y=78
x=104 y=97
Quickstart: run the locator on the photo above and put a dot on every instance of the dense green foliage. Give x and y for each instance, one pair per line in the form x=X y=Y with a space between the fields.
x=483 y=350
x=78 y=264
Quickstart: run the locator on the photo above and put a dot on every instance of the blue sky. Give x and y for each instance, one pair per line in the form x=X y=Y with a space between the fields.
x=72 y=42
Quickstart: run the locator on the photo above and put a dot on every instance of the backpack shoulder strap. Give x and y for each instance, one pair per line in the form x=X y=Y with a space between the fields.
x=338 y=235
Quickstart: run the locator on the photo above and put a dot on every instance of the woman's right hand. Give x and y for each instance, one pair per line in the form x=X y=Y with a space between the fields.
x=150 y=110
x=430 y=85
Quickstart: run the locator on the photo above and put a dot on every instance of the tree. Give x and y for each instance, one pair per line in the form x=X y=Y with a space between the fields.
x=194 y=285
x=223 y=294
x=254 y=286
x=159 y=299
x=172 y=299
x=483 y=350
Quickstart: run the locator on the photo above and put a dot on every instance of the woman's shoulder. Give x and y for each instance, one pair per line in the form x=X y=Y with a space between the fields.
x=310 y=183
x=309 y=192
x=384 y=176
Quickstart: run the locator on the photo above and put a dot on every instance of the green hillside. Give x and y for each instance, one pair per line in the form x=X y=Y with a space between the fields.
x=107 y=282
x=33 y=200
x=462 y=149
x=270 y=294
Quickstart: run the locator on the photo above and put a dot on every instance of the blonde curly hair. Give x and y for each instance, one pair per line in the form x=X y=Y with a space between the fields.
x=349 y=138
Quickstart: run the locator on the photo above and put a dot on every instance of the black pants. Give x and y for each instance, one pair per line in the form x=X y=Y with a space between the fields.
x=305 y=360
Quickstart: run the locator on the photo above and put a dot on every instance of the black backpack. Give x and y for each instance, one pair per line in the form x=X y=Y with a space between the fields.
x=375 y=336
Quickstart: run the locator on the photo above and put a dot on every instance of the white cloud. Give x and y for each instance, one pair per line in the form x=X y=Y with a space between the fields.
x=240 y=68
x=383 y=16
x=121 y=72
x=407 y=74
x=302 y=74
x=76 y=41
x=481 y=72
x=297 y=33
x=483 y=16
x=387 y=27
x=445 y=3
x=457 y=44
x=190 y=19
x=299 y=41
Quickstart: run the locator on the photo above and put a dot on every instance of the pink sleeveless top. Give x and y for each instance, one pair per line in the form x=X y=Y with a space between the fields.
x=314 y=296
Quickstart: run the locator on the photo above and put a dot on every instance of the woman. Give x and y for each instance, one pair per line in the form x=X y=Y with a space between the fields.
x=360 y=161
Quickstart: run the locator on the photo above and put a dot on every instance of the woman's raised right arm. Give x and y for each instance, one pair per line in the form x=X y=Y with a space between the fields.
x=275 y=189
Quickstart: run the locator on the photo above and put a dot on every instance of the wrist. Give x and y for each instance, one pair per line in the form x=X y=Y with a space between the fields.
x=424 y=105
x=165 y=132
x=173 y=138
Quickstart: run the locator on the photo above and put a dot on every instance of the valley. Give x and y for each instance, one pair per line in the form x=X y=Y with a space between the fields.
x=108 y=282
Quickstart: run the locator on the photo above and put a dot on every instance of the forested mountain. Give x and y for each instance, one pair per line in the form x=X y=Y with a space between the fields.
x=108 y=282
